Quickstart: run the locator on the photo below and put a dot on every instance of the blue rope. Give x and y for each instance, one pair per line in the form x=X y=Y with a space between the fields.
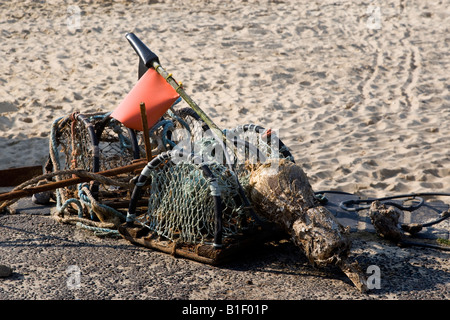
x=166 y=125
x=85 y=199
x=97 y=230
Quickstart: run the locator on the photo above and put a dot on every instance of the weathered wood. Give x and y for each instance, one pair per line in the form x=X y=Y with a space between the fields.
x=280 y=192
x=232 y=247
x=15 y=176
x=385 y=221
x=148 y=148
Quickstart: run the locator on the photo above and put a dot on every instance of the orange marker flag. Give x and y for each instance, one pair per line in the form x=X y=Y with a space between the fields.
x=151 y=89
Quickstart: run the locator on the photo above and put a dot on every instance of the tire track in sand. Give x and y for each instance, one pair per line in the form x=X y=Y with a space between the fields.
x=414 y=66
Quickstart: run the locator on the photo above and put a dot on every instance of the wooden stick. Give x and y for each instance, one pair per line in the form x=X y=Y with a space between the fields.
x=68 y=182
x=148 y=149
x=218 y=134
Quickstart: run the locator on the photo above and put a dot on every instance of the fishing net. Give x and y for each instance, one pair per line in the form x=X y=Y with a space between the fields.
x=192 y=192
x=92 y=143
x=196 y=191
x=190 y=201
x=95 y=142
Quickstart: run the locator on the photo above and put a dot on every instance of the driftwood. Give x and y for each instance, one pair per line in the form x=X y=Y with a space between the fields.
x=385 y=221
x=281 y=193
x=15 y=176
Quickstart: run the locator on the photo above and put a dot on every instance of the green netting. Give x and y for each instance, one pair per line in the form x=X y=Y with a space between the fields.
x=181 y=205
x=91 y=142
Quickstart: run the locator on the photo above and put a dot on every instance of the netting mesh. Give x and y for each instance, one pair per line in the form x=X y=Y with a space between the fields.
x=181 y=205
x=70 y=147
x=180 y=199
x=91 y=142
x=115 y=145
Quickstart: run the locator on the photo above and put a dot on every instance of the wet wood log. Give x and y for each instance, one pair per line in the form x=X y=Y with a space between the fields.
x=280 y=192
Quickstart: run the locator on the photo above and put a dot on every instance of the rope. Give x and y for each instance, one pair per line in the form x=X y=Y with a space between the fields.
x=74 y=138
x=98 y=231
x=166 y=125
x=101 y=211
x=345 y=205
x=75 y=220
x=410 y=228
x=78 y=172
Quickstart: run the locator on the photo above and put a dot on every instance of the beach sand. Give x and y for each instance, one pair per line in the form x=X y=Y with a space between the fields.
x=359 y=92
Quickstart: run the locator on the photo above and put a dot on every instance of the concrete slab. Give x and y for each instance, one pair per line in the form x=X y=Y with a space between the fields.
x=26 y=206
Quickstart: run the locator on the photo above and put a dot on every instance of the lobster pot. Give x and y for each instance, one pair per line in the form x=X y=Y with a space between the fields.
x=194 y=210
x=92 y=142
x=253 y=145
x=194 y=203
x=178 y=128
x=246 y=146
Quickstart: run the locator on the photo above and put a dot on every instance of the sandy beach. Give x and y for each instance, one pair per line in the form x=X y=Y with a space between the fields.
x=359 y=92
x=363 y=105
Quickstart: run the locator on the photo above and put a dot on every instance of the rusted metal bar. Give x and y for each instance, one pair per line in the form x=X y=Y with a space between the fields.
x=29 y=191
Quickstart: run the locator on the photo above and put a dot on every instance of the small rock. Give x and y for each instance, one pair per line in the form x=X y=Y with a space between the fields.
x=5 y=271
x=42 y=197
x=349 y=105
